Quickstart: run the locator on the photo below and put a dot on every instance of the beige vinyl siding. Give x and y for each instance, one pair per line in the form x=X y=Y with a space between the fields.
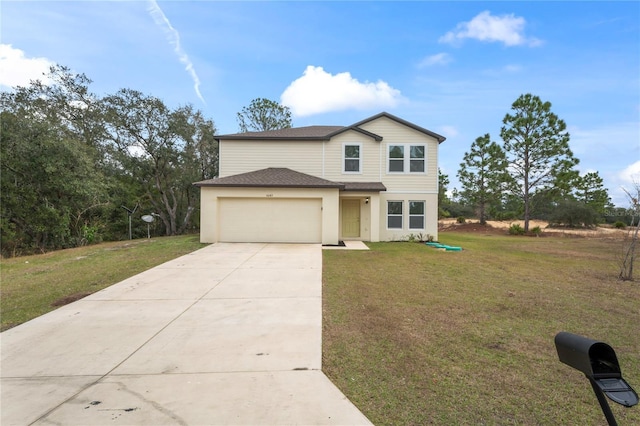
x=369 y=158
x=247 y=156
x=395 y=133
x=430 y=217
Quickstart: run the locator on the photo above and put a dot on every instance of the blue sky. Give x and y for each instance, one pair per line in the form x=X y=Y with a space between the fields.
x=452 y=67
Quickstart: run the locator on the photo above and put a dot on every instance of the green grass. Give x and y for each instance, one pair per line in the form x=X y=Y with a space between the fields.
x=417 y=336
x=34 y=285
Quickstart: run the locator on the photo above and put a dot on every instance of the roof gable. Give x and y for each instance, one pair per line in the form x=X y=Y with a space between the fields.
x=325 y=133
x=439 y=138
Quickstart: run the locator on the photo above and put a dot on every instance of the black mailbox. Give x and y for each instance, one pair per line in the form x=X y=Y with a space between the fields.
x=595 y=359
x=599 y=363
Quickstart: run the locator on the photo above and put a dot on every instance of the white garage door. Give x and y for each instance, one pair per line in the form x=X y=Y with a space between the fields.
x=270 y=220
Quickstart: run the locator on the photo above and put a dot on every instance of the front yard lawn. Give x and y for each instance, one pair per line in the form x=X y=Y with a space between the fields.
x=35 y=285
x=417 y=336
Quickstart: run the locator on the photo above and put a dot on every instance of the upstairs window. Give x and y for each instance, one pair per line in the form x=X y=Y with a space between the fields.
x=394 y=214
x=352 y=154
x=414 y=162
x=396 y=158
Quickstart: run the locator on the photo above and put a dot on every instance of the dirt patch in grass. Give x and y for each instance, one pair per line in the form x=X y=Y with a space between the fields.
x=493 y=227
x=68 y=299
x=471 y=227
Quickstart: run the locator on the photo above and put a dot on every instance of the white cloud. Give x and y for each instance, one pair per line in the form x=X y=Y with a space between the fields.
x=513 y=68
x=626 y=181
x=508 y=29
x=630 y=175
x=619 y=142
x=448 y=131
x=437 y=59
x=18 y=70
x=174 y=38
x=317 y=92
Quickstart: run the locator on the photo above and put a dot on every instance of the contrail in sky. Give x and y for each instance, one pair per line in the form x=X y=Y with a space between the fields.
x=174 y=38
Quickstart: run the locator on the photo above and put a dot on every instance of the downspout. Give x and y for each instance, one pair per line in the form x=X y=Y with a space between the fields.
x=323 y=144
x=380 y=162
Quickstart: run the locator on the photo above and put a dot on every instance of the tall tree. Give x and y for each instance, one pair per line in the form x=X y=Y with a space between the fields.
x=52 y=189
x=630 y=248
x=198 y=157
x=483 y=175
x=589 y=189
x=165 y=151
x=537 y=146
x=443 y=185
x=263 y=114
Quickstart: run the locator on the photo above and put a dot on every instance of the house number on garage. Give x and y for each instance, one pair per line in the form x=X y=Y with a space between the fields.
x=269 y=195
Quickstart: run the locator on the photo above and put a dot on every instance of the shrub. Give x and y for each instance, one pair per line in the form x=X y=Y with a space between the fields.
x=619 y=225
x=457 y=209
x=505 y=215
x=461 y=219
x=573 y=214
x=536 y=231
x=516 y=229
x=442 y=213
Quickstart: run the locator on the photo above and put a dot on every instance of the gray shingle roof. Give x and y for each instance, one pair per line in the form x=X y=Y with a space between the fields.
x=324 y=133
x=297 y=133
x=272 y=177
x=364 y=186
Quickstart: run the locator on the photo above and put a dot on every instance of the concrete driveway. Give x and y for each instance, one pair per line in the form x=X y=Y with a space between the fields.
x=229 y=334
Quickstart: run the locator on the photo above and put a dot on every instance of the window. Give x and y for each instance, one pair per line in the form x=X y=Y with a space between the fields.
x=416 y=214
x=396 y=158
x=394 y=214
x=352 y=157
x=415 y=162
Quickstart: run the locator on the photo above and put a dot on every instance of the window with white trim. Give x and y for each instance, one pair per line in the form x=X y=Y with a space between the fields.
x=417 y=158
x=396 y=158
x=394 y=214
x=352 y=156
x=416 y=214
x=407 y=158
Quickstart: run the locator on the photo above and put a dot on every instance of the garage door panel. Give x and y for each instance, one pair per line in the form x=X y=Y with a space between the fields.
x=270 y=220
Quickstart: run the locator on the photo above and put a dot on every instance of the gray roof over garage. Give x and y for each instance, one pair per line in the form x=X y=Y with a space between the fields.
x=272 y=177
x=279 y=177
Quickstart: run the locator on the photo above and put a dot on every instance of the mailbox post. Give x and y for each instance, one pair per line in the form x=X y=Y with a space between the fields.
x=599 y=363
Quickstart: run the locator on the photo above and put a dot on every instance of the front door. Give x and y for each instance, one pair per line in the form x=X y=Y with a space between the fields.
x=350 y=218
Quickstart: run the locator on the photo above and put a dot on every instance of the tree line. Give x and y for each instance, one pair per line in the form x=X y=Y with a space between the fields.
x=75 y=165
x=531 y=174
x=72 y=160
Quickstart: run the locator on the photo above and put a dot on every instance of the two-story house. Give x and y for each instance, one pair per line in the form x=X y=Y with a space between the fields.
x=376 y=180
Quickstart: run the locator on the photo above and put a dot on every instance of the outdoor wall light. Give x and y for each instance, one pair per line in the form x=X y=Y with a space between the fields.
x=366 y=200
